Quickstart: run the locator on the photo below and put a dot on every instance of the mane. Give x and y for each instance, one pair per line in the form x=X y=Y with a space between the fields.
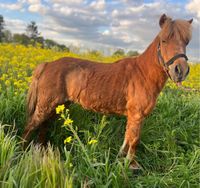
x=177 y=29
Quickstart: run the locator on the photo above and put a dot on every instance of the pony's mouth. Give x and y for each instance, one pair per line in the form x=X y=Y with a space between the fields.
x=179 y=84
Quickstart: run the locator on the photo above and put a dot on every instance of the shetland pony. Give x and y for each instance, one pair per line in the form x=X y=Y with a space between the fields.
x=127 y=87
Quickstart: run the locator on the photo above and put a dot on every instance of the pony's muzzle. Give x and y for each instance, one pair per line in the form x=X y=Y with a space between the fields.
x=180 y=72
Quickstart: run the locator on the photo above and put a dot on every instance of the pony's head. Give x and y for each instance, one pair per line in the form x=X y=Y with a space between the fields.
x=174 y=37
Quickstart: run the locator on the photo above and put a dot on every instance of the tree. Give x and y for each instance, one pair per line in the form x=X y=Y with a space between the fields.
x=40 y=40
x=48 y=43
x=7 y=36
x=21 y=39
x=119 y=52
x=95 y=53
x=1 y=28
x=62 y=47
x=132 y=53
x=32 y=32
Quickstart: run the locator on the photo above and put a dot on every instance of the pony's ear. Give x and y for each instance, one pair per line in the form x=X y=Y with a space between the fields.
x=162 y=20
x=190 y=21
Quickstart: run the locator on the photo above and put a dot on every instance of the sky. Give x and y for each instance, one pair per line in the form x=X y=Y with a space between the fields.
x=104 y=25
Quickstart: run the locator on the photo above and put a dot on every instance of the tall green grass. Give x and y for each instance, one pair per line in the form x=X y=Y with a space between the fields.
x=168 y=152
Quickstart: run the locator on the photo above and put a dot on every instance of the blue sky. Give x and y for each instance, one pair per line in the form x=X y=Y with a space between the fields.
x=101 y=24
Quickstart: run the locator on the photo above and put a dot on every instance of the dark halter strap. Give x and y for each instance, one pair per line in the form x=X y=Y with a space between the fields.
x=169 y=62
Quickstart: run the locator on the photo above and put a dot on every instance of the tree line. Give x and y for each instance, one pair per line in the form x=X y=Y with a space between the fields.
x=33 y=37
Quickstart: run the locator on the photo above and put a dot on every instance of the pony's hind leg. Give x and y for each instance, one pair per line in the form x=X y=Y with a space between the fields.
x=34 y=122
x=43 y=128
x=39 y=120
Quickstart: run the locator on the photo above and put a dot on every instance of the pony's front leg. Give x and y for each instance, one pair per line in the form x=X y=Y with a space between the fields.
x=132 y=136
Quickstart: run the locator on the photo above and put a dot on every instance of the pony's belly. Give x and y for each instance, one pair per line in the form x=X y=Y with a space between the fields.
x=104 y=109
x=100 y=103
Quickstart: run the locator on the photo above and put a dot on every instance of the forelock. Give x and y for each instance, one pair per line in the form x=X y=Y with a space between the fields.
x=176 y=29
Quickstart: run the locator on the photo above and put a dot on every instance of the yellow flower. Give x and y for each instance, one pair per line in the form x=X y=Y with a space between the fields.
x=93 y=141
x=7 y=82
x=68 y=121
x=68 y=140
x=60 y=109
x=70 y=165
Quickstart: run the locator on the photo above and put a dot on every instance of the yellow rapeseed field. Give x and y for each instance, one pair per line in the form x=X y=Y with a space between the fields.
x=17 y=63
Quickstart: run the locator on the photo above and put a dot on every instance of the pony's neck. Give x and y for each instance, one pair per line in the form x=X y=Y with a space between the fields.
x=151 y=67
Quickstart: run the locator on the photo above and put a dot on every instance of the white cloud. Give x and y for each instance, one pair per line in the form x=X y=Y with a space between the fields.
x=194 y=7
x=115 y=13
x=37 y=8
x=98 y=4
x=11 y=6
x=106 y=32
x=15 y=25
x=32 y=1
x=67 y=1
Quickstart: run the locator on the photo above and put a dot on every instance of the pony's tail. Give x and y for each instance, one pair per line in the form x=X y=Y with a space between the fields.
x=33 y=90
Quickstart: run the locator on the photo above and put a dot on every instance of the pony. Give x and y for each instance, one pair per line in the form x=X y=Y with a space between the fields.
x=128 y=87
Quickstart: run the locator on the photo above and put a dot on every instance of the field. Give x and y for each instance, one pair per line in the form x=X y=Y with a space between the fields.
x=85 y=153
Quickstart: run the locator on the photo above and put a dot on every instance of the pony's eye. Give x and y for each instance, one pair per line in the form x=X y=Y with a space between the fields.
x=163 y=41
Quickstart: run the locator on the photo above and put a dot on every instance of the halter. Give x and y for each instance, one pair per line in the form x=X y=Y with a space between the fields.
x=169 y=62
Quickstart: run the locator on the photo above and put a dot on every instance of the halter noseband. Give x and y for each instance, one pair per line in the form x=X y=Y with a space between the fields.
x=169 y=62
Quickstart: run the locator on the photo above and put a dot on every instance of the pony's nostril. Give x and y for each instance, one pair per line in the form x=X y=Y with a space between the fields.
x=178 y=70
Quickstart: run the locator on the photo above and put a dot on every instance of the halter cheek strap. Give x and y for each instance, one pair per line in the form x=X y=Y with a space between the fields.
x=169 y=62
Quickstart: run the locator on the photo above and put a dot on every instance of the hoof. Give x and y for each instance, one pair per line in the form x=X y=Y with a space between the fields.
x=134 y=166
x=122 y=154
x=123 y=150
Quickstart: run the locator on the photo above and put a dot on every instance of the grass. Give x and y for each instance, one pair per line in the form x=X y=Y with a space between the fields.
x=168 y=152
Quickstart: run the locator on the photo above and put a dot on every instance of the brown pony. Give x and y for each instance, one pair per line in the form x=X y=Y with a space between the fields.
x=127 y=87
